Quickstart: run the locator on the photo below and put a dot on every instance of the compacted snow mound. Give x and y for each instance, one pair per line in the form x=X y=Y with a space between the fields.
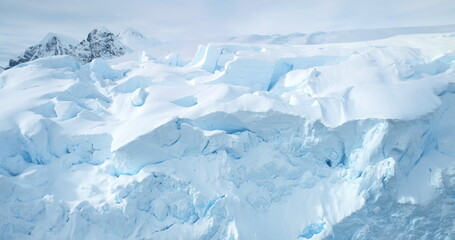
x=337 y=141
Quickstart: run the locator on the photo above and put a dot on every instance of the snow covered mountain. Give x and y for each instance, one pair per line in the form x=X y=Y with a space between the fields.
x=247 y=141
x=338 y=36
x=52 y=44
x=137 y=41
x=100 y=43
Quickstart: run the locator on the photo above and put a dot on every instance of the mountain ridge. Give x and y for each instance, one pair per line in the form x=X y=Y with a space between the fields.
x=339 y=36
x=131 y=40
x=100 y=43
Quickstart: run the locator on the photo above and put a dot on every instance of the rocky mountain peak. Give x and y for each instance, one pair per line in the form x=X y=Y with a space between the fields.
x=51 y=45
x=99 y=33
x=100 y=43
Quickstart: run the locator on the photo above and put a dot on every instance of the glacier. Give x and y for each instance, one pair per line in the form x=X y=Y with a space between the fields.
x=349 y=140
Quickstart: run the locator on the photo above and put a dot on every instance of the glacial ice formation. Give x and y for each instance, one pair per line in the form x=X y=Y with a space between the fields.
x=325 y=141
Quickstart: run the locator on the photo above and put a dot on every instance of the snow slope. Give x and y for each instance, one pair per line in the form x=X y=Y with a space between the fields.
x=137 y=41
x=246 y=141
x=185 y=48
x=339 y=36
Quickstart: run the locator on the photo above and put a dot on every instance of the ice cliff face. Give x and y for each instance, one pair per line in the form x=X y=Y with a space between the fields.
x=100 y=43
x=337 y=141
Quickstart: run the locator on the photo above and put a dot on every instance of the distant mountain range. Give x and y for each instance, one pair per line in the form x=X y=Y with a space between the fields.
x=340 y=36
x=100 y=43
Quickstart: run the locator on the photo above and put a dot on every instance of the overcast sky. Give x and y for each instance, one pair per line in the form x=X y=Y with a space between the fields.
x=24 y=22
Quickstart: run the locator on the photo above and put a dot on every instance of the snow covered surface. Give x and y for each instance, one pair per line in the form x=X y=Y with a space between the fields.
x=137 y=41
x=245 y=141
x=339 y=36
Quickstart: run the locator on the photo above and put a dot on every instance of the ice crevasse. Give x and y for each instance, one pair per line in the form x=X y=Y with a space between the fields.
x=325 y=141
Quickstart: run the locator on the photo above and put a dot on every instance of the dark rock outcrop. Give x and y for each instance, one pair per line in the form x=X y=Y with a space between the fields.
x=100 y=43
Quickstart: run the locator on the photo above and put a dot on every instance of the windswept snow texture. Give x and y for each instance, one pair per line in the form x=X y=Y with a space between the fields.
x=246 y=141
